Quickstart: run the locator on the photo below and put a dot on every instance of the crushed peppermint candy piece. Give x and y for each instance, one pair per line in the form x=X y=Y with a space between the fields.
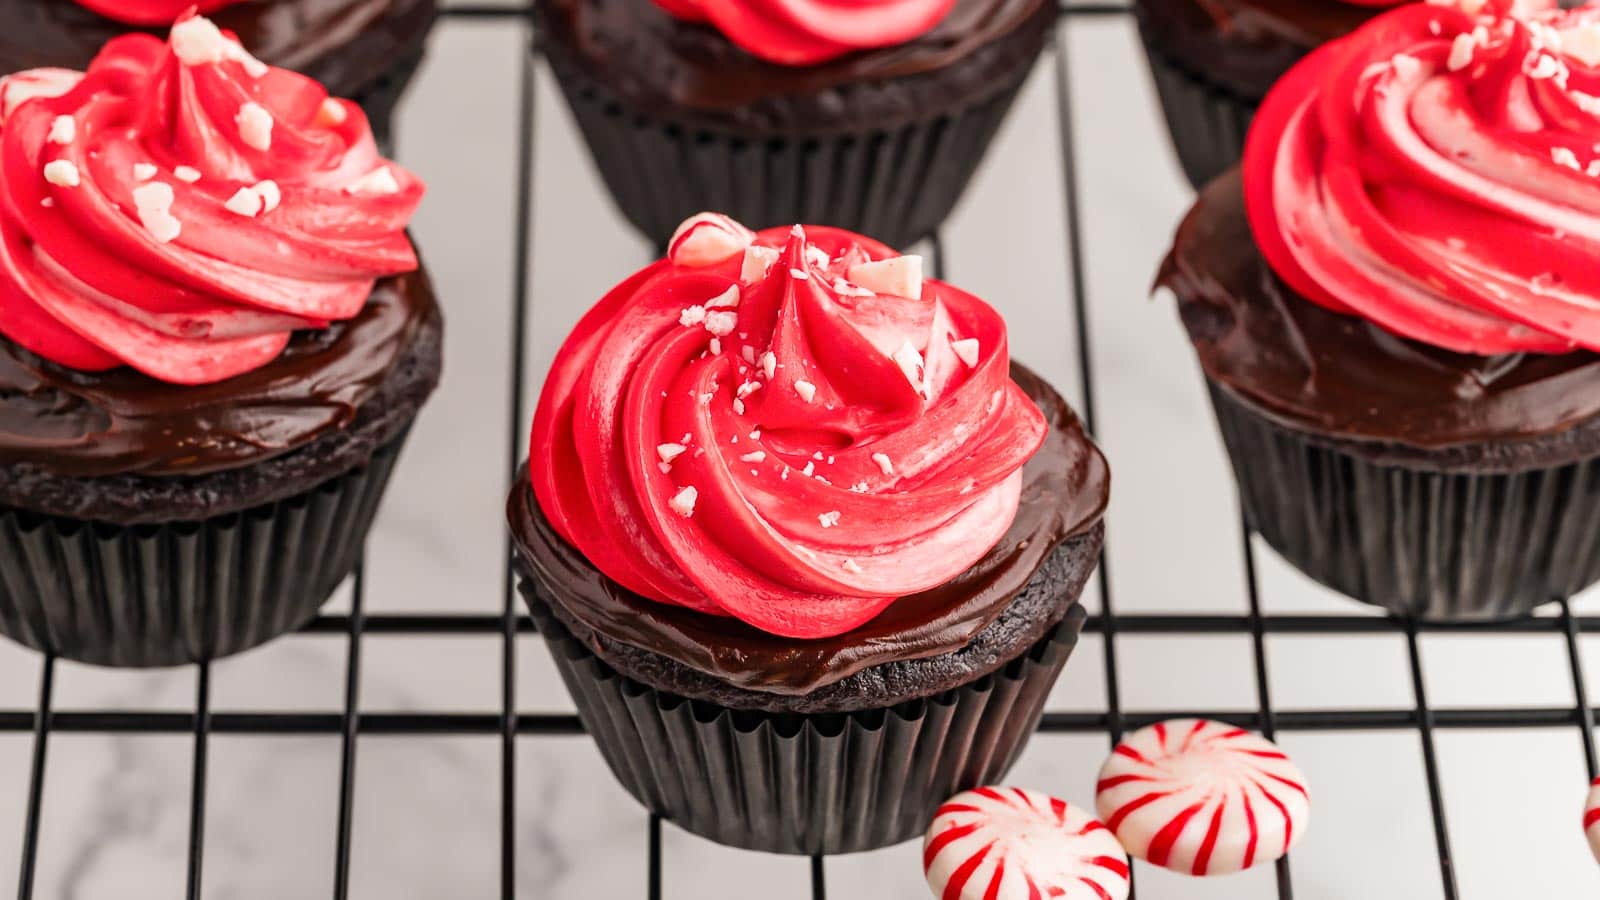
x=144 y=171
x=244 y=202
x=851 y=566
x=1546 y=66
x=721 y=323
x=810 y=469
x=754 y=456
x=198 y=42
x=682 y=502
x=845 y=289
x=1461 y=53
x=255 y=126
x=63 y=130
x=829 y=519
x=1406 y=66
x=705 y=239
x=332 y=112
x=899 y=276
x=692 y=315
x=816 y=257
x=748 y=353
x=884 y=464
x=1563 y=156
x=162 y=225
x=271 y=195
x=806 y=390
x=20 y=87
x=910 y=363
x=154 y=195
x=186 y=174
x=757 y=260
x=62 y=173
x=966 y=350
x=725 y=300
x=738 y=407
x=379 y=181
x=670 y=452
x=769 y=365
x=799 y=274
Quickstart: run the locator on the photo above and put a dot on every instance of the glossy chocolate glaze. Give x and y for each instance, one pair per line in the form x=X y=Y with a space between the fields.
x=345 y=44
x=1245 y=45
x=1065 y=488
x=1341 y=376
x=652 y=60
x=86 y=425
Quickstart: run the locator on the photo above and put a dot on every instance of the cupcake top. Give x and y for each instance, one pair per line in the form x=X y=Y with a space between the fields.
x=783 y=436
x=795 y=65
x=805 y=32
x=152 y=12
x=1424 y=195
x=197 y=255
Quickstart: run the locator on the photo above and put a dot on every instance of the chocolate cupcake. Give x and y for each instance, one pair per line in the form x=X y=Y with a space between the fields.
x=366 y=50
x=805 y=545
x=1213 y=61
x=1395 y=308
x=870 y=117
x=214 y=335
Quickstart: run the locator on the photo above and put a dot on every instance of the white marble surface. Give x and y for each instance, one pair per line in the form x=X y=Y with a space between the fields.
x=426 y=812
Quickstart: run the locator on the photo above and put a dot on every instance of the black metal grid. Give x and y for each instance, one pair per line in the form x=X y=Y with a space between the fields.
x=203 y=722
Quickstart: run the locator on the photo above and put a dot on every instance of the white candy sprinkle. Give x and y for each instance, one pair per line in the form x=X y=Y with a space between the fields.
x=725 y=300
x=255 y=126
x=693 y=315
x=860 y=487
x=705 y=239
x=162 y=225
x=816 y=257
x=716 y=346
x=810 y=469
x=1461 y=52
x=270 y=194
x=63 y=130
x=186 y=174
x=61 y=173
x=899 y=276
x=197 y=42
x=669 y=452
x=757 y=260
x=806 y=390
x=1545 y=67
x=156 y=195
x=769 y=363
x=798 y=274
x=48 y=202
x=378 y=181
x=144 y=171
x=244 y=202
x=755 y=435
x=1406 y=66
x=738 y=407
x=722 y=322
x=966 y=350
x=817 y=455
x=332 y=112
x=910 y=363
x=846 y=289
x=682 y=502
x=1593 y=170
x=1563 y=156
x=850 y=566
x=749 y=354
x=829 y=519
x=755 y=457
x=884 y=463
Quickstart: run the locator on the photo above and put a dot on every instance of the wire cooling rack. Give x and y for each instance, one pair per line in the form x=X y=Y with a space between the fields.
x=202 y=723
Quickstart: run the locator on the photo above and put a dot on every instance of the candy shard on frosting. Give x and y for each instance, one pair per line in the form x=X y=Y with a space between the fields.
x=188 y=279
x=1445 y=197
x=1202 y=797
x=793 y=408
x=1007 y=843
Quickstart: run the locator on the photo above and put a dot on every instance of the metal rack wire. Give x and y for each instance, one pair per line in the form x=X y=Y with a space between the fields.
x=351 y=724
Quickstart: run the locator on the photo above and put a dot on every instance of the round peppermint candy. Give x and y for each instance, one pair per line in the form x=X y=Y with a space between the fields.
x=1591 y=818
x=1005 y=843
x=1202 y=797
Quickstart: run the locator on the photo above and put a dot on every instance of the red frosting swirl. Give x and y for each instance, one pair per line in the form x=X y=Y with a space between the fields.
x=806 y=32
x=151 y=12
x=183 y=208
x=790 y=427
x=1436 y=173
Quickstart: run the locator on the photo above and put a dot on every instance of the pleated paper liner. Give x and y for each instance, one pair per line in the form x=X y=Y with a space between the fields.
x=896 y=185
x=1436 y=545
x=806 y=784
x=181 y=592
x=1207 y=122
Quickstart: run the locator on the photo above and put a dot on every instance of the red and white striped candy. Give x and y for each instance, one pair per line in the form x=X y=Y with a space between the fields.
x=1591 y=818
x=1005 y=843
x=1202 y=797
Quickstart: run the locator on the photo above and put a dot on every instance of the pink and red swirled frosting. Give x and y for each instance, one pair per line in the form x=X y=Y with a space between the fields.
x=790 y=427
x=806 y=32
x=1438 y=173
x=152 y=12
x=182 y=209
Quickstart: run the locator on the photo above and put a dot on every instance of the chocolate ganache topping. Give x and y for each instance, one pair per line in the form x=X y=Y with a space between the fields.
x=648 y=55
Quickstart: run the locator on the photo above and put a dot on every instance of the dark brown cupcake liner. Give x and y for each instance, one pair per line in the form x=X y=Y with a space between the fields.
x=1439 y=544
x=182 y=592
x=806 y=784
x=1207 y=122
x=897 y=185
